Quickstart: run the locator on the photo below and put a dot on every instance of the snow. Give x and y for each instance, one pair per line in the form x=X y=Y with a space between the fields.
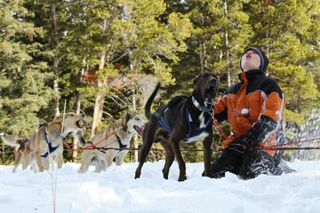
x=115 y=190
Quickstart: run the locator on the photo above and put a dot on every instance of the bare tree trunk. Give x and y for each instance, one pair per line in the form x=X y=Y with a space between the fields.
x=203 y=53
x=56 y=89
x=268 y=35
x=76 y=139
x=135 y=139
x=101 y=94
x=54 y=45
x=134 y=107
x=226 y=43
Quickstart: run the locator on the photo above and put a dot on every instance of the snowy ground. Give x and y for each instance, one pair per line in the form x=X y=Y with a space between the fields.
x=116 y=191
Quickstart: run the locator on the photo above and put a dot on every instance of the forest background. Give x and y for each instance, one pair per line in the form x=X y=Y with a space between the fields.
x=103 y=57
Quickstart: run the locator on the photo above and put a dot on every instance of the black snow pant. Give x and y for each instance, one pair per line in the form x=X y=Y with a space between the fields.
x=246 y=165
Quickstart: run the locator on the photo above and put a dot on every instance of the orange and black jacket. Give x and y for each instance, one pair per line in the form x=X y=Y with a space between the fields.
x=252 y=107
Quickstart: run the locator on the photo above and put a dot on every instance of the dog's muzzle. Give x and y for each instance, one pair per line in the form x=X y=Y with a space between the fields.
x=138 y=129
x=212 y=89
x=212 y=86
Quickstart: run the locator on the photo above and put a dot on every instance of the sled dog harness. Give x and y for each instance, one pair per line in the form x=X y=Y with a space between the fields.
x=51 y=148
x=121 y=145
x=193 y=131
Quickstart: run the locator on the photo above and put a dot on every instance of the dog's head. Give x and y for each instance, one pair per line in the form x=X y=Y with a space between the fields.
x=71 y=124
x=206 y=86
x=133 y=121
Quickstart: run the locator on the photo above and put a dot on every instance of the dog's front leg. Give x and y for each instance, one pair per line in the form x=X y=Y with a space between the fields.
x=110 y=154
x=207 y=154
x=18 y=155
x=37 y=156
x=60 y=160
x=85 y=160
x=174 y=141
x=25 y=159
x=120 y=157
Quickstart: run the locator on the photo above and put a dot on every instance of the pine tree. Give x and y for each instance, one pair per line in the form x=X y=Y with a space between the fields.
x=23 y=81
x=221 y=31
x=283 y=30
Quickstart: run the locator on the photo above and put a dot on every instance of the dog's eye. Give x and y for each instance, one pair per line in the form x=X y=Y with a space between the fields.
x=137 y=119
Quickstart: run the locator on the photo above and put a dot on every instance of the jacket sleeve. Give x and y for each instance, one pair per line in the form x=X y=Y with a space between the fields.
x=273 y=105
x=220 y=108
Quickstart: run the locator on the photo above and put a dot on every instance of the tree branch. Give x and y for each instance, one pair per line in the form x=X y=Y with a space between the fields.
x=123 y=55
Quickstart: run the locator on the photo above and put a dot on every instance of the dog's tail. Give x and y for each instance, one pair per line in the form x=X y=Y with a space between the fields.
x=147 y=107
x=8 y=139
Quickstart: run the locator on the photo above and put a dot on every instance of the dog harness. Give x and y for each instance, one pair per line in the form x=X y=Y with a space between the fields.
x=121 y=145
x=103 y=149
x=193 y=131
x=51 y=148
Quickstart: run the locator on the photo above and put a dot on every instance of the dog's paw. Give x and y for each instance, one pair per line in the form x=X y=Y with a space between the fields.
x=182 y=178
x=205 y=174
x=137 y=175
x=165 y=174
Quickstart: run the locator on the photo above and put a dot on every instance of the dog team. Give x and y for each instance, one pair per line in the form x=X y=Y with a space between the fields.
x=253 y=108
x=45 y=146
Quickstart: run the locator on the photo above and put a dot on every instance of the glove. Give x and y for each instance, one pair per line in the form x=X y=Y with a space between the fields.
x=243 y=143
x=254 y=136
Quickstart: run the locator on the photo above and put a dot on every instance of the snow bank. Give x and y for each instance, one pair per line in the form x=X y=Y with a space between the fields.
x=115 y=190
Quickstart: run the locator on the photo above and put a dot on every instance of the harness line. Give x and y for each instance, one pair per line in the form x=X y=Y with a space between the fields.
x=218 y=126
x=274 y=147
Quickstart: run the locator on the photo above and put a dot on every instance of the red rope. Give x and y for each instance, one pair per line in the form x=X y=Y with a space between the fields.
x=105 y=138
x=218 y=126
x=93 y=146
x=291 y=148
x=284 y=146
x=273 y=147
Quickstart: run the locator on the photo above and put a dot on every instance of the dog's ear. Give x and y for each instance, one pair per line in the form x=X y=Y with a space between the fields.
x=127 y=116
x=125 y=119
x=217 y=77
x=218 y=81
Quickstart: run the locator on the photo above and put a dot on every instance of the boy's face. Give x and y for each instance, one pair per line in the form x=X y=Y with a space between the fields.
x=250 y=60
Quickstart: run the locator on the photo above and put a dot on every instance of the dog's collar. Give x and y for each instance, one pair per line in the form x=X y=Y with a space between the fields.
x=200 y=107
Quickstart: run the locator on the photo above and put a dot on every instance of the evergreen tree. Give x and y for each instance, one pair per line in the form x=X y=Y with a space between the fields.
x=283 y=29
x=221 y=31
x=23 y=81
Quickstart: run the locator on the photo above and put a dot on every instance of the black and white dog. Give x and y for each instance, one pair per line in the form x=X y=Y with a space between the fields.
x=185 y=118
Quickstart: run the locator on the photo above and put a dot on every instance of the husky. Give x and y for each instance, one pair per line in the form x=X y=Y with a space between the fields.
x=111 y=143
x=45 y=146
x=18 y=145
